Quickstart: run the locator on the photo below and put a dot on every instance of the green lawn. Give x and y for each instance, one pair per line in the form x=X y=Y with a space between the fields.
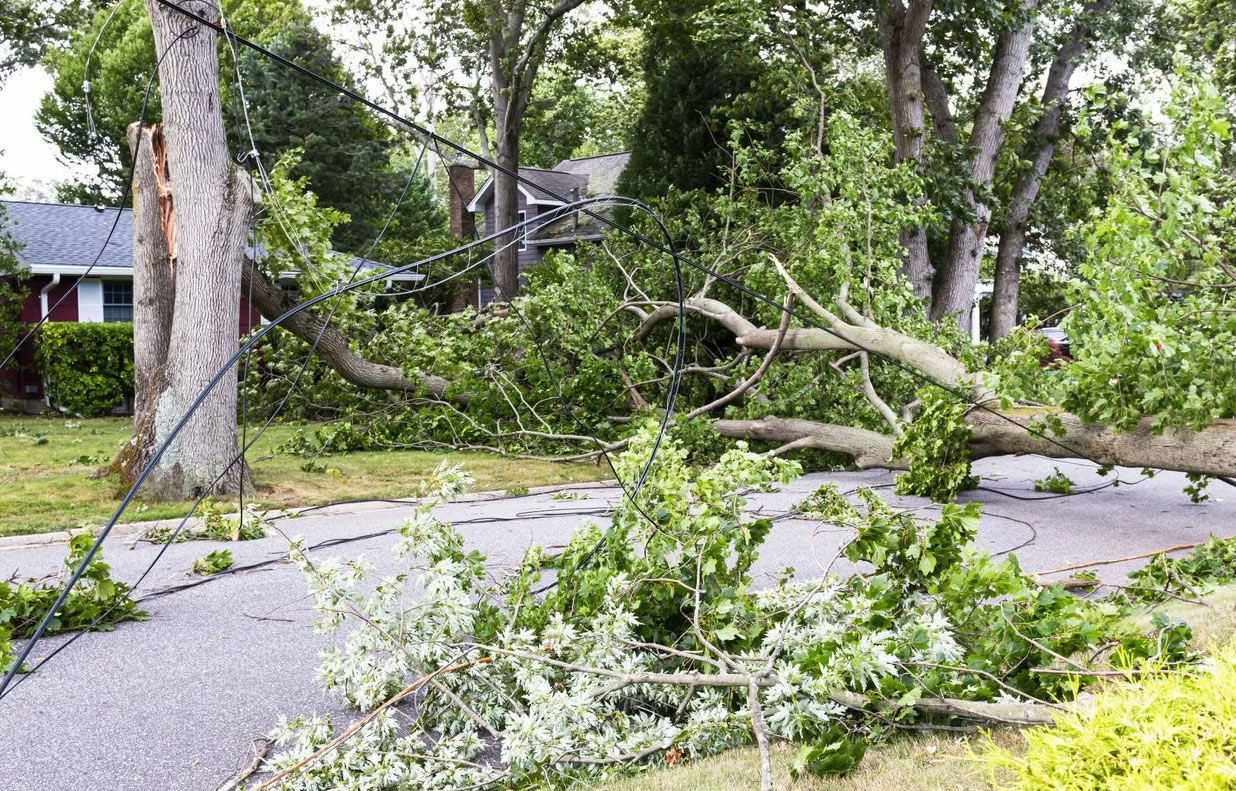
x=46 y=466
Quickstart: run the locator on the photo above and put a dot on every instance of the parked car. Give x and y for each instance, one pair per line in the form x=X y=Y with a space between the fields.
x=1057 y=343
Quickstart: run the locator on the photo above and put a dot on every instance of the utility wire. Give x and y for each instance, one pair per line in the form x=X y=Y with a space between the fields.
x=7 y=682
x=679 y=257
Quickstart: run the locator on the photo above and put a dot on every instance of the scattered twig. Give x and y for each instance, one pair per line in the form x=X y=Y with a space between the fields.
x=1091 y=563
x=261 y=746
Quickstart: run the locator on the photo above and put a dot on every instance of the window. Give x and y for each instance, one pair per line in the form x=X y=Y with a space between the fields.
x=118 y=300
x=523 y=231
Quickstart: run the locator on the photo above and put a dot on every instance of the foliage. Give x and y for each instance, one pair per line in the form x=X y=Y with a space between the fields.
x=1209 y=565
x=1056 y=483
x=29 y=28
x=578 y=112
x=666 y=589
x=23 y=604
x=354 y=162
x=1165 y=731
x=213 y=562
x=1154 y=333
x=936 y=447
x=834 y=753
x=694 y=89
x=248 y=525
x=88 y=367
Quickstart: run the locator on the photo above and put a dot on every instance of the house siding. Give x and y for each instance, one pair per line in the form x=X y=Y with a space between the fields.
x=526 y=258
x=20 y=379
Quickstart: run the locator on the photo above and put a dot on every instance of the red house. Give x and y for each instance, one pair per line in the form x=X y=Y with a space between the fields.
x=57 y=244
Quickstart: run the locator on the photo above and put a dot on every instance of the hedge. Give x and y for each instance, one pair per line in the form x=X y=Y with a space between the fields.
x=88 y=367
x=1175 y=731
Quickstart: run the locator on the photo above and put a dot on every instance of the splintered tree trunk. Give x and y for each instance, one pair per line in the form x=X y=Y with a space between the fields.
x=213 y=206
x=154 y=292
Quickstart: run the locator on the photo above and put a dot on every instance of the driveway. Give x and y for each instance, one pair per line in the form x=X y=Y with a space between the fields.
x=174 y=702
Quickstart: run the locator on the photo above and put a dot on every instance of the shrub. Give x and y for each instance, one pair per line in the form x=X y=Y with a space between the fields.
x=88 y=367
x=1169 y=731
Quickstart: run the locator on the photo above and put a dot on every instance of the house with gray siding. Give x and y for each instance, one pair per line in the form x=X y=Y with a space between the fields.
x=539 y=196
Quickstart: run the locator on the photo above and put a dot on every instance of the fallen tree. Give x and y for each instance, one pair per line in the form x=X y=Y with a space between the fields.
x=1208 y=451
x=653 y=645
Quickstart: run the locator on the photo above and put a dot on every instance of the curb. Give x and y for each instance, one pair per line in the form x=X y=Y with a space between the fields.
x=127 y=529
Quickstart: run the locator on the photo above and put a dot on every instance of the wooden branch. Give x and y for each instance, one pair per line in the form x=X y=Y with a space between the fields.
x=751 y=380
x=1092 y=563
x=333 y=348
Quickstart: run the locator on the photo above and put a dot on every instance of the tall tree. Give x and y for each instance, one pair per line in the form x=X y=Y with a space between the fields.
x=347 y=153
x=696 y=86
x=211 y=206
x=89 y=129
x=465 y=49
x=1037 y=154
x=518 y=39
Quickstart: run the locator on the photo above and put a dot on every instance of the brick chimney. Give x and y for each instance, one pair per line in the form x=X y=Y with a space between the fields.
x=462 y=189
x=463 y=226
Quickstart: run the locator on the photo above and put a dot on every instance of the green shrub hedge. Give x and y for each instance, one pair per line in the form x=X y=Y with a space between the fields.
x=88 y=368
x=1174 y=731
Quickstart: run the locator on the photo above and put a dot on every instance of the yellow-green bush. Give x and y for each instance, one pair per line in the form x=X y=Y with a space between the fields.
x=1172 y=731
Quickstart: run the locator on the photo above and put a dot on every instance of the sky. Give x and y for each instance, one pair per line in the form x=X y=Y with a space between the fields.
x=27 y=159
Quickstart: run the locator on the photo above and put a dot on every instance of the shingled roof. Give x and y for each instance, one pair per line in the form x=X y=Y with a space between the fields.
x=570 y=179
x=58 y=235
x=55 y=237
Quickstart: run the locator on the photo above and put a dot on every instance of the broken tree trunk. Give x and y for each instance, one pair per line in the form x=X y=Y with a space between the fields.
x=1209 y=451
x=213 y=206
x=154 y=292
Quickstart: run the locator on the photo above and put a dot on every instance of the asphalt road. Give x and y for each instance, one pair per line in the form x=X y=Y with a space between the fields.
x=174 y=702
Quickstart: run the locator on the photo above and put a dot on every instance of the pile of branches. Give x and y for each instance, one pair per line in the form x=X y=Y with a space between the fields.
x=645 y=642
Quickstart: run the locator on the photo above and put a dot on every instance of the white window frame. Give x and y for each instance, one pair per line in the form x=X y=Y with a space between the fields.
x=523 y=232
x=103 y=298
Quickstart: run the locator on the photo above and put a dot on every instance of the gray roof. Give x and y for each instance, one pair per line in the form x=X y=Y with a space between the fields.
x=570 y=179
x=59 y=234
x=68 y=235
x=602 y=172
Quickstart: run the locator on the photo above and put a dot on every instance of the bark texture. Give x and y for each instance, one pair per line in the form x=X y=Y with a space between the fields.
x=1211 y=451
x=954 y=288
x=902 y=27
x=1038 y=155
x=213 y=206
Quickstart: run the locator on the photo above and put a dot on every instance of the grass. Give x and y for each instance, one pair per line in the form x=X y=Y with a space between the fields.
x=919 y=763
x=46 y=466
x=912 y=762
